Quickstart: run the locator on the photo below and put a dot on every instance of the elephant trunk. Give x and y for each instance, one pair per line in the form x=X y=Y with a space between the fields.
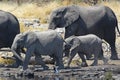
x=16 y=53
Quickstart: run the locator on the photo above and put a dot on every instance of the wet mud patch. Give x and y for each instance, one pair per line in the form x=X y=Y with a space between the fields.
x=101 y=72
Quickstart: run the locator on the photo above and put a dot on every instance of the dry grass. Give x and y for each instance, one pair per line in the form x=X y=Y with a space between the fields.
x=114 y=5
x=32 y=10
x=6 y=61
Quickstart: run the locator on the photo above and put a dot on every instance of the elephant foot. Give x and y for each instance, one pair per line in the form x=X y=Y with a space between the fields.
x=105 y=60
x=84 y=64
x=94 y=64
x=100 y=57
x=114 y=58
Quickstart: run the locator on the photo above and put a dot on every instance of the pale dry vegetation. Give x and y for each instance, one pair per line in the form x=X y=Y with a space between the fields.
x=42 y=11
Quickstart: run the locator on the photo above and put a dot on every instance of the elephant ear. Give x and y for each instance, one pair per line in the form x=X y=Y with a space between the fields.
x=75 y=43
x=71 y=15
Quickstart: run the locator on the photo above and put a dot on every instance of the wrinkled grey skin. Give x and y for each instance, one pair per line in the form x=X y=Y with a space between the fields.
x=84 y=45
x=40 y=43
x=78 y=20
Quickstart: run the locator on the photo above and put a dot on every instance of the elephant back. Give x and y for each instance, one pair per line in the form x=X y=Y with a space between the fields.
x=9 y=27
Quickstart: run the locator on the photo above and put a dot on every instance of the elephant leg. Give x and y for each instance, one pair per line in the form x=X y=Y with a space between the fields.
x=18 y=61
x=113 y=52
x=105 y=60
x=96 y=54
x=71 y=56
x=110 y=38
x=39 y=60
x=28 y=55
x=84 y=63
x=58 y=57
x=100 y=56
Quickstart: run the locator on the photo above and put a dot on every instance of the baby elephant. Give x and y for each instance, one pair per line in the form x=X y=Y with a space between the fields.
x=40 y=43
x=84 y=45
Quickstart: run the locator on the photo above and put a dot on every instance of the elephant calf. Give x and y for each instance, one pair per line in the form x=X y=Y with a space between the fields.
x=40 y=43
x=84 y=45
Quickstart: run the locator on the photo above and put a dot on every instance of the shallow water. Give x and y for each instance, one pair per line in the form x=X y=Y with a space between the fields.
x=49 y=78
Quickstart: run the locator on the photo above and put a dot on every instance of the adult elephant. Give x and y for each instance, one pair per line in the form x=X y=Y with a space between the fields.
x=78 y=20
x=39 y=43
x=9 y=27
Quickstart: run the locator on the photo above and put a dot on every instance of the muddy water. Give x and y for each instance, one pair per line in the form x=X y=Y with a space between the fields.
x=106 y=72
x=41 y=78
x=77 y=77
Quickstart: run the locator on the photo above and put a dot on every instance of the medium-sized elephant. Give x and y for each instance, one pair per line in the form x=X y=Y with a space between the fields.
x=84 y=45
x=40 y=43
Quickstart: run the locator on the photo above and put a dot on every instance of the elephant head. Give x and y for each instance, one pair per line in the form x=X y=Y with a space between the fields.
x=64 y=17
x=16 y=48
x=17 y=43
x=71 y=44
x=22 y=40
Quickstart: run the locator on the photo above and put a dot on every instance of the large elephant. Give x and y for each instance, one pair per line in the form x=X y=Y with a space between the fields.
x=78 y=20
x=40 y=43
x=84 y=45
x=9 y=27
